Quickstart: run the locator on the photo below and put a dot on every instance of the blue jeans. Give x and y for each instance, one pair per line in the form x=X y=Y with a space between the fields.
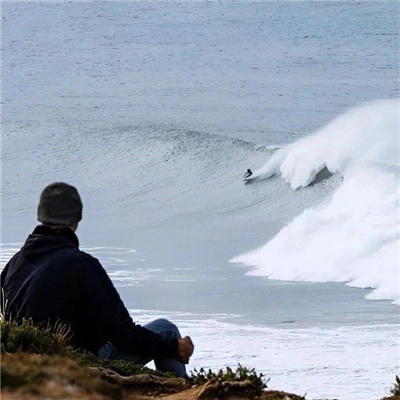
x=166 y=364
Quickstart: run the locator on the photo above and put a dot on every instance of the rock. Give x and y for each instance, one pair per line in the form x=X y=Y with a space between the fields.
x=227 y=390
x=143 y=381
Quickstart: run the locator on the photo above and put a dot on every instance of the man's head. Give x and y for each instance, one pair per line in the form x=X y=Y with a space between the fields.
x=60 y=205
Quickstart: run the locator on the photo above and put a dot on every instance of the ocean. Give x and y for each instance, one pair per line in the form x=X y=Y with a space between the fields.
x=155 y=110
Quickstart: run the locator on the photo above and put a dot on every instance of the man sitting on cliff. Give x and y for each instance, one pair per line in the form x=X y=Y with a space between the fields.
x=51 y=281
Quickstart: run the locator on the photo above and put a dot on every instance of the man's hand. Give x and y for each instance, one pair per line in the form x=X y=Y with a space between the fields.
x=185 y=349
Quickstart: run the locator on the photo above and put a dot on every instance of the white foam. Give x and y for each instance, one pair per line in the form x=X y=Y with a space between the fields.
x=345 y=363
x=354 y=236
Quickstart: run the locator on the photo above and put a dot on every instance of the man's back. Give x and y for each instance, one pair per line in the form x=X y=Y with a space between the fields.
x=41 y=281
x=51 y=281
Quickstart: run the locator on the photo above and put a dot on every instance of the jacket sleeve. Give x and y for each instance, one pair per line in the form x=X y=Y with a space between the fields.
x=108 y=313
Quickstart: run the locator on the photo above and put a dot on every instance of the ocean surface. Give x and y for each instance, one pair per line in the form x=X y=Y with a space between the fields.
x=155 y=110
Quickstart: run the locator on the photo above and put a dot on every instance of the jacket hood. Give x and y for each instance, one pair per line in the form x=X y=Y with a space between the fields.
x=44 y=240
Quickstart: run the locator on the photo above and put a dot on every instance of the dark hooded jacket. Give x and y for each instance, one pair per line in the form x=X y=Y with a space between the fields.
x=51 y=281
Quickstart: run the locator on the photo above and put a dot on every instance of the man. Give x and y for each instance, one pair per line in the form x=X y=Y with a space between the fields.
x=51 y=281
x=248 y=173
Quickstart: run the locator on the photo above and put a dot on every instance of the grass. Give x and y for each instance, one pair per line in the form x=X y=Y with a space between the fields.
x=396 y=388
x=229 y=375
x=53 y=341
x=30 y=339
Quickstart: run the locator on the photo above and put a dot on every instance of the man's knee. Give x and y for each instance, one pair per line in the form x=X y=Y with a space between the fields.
x=162 y=325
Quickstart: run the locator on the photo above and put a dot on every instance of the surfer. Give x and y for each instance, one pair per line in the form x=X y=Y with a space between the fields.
x=248 y=174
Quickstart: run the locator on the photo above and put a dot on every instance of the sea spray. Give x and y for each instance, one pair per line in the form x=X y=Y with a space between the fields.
x=354 y=236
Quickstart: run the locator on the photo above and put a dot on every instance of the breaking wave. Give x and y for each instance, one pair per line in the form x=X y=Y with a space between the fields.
x=353 y=236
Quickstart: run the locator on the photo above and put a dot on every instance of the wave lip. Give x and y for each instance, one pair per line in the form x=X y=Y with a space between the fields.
x=354 y=236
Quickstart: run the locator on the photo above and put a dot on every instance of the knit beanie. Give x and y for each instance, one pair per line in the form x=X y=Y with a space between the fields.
x=59 y=204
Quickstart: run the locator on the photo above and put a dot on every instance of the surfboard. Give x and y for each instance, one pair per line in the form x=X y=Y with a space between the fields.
x=250 y=179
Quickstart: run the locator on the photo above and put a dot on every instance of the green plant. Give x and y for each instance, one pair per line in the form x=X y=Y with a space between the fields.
x=122 y=367
x=229 y=375
x=53 y=341
x=396 y=388
x=27 y=337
